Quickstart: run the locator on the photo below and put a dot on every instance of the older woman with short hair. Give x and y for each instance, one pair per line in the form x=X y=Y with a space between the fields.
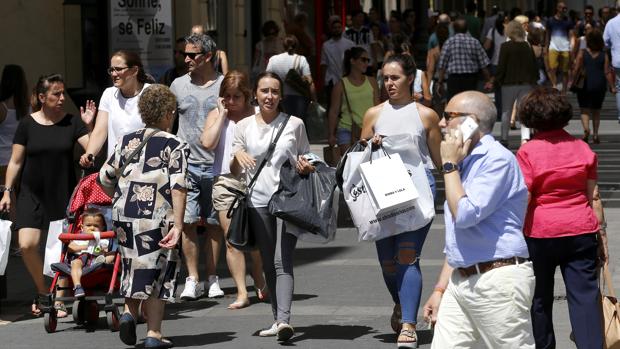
x=564 y=224
x=517 y=73
x=147 y=175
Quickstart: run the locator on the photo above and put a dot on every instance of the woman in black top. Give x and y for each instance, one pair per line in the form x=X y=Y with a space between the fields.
x=592 y=62
x=43 y=153
x=517 y=73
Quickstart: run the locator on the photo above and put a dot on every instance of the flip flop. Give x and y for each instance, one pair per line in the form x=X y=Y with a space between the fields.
x=239 y=304
x=411 y=342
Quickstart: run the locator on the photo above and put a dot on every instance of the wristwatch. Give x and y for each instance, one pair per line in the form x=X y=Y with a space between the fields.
x=448 y=167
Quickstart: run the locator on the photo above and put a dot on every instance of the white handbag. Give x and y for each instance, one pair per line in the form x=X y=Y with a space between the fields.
x=370 y=224
x=389 y=184
x=5 y=244
x=53 y=246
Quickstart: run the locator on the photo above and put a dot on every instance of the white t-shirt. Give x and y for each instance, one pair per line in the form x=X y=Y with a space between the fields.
x=223 y=151
x=254 y=139
x=499 y=40
x=123 y=114
x=282 y=63
x=332 y=56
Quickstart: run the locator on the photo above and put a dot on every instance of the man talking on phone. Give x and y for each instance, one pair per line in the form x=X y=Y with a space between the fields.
x=485 y=289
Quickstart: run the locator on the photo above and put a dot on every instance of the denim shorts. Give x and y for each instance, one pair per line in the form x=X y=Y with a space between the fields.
x=343 y=136
x=199 y=202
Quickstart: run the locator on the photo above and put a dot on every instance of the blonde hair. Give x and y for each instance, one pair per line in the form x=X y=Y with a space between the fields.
x=522 y=19
x=515 y=31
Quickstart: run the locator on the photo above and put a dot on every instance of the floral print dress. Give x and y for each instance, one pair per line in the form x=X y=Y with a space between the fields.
x=142 y=210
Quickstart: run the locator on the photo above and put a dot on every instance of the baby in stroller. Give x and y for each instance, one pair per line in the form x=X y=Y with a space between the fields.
x=86 y=252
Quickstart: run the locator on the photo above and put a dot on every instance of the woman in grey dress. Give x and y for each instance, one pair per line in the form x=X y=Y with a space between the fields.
x=149 y=191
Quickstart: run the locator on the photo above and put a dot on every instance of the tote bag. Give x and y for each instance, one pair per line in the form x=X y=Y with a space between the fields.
x=371 y=225
x=5 y=244
x=611 y=313
x=53 y=246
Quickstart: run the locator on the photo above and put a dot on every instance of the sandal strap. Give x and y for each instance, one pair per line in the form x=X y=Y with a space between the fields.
x=410 y=334
x=60 y=306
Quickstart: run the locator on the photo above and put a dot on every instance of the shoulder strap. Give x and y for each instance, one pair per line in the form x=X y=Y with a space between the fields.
x=270 y=150
x=137 y=151
x=346 y=97
x=296 y=63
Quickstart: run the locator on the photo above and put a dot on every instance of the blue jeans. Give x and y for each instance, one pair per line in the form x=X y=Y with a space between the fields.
x=399 y=256
x=198 y=202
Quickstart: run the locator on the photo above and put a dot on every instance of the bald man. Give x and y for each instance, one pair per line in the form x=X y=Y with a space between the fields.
x=485 y=289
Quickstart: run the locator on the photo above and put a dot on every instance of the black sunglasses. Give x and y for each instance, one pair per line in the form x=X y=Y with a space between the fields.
x=191 y=55
x=365 y=59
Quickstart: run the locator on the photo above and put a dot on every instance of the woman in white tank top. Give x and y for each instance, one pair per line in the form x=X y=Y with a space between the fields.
x=233 y=105
x=399 y=254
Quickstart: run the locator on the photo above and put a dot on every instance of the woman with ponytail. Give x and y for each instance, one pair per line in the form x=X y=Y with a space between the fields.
x=118 y=109
x=351 y=97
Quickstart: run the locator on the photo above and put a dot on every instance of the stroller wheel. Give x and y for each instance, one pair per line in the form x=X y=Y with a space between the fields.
x=50 y=321
x=78 y=311
x=92 y=313
x=113 y=320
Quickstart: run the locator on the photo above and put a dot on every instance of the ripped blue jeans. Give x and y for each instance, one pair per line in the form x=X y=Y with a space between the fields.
x=399 y=256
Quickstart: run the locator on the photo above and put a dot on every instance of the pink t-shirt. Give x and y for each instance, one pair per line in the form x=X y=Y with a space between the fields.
x=556 y=167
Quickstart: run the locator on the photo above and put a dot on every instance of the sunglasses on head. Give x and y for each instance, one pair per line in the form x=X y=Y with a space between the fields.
x=191 y=55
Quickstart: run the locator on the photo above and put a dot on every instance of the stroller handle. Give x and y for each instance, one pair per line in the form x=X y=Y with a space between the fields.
x=68 y=237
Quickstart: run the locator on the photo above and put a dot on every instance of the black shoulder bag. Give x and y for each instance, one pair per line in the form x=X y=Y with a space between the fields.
x=240 y=235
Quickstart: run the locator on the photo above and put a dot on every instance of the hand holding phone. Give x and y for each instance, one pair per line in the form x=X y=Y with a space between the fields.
x=467 y=128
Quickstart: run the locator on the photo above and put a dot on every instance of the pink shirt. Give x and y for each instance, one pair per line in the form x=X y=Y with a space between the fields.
x=556 y=167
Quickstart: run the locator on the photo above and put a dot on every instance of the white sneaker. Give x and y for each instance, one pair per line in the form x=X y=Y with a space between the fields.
x=285 y=332
x=269 y=332
x=214 y=287
x=193 y=289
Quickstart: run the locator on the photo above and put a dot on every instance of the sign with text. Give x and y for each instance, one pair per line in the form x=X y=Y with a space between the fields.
x=144 y=27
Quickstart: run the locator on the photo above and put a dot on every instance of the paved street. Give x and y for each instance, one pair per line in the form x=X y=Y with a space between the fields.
x=340 y=298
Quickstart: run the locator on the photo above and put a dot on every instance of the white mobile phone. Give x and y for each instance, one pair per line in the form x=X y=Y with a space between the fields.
x=468 y=127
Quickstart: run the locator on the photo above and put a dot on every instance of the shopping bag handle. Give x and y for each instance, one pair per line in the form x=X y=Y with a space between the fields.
x=376 y=147
x=607 y=280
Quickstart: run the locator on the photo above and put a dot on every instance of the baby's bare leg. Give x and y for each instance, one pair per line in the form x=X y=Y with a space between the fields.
x=76 y=271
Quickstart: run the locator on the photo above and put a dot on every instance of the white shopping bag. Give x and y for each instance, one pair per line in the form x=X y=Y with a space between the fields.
x=53 y=246
x=372 y=226
x=5 y=244
x=388 y=183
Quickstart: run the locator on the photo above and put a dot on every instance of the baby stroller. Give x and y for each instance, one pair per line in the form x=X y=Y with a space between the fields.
x=97 y=278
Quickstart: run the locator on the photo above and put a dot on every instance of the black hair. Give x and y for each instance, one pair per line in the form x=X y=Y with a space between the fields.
x=42 y=86
x=499 y=24
x=352 y=53
x=13 y=84
x=268 y=74
x=290 y=43
x=405 y=61
x=471 y=6
x=270 y=28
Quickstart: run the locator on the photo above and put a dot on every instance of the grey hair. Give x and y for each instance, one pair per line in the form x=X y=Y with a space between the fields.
x=482 y=106
x=204 y=42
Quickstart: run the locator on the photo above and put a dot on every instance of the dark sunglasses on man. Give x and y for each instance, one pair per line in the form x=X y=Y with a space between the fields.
x=191 y=55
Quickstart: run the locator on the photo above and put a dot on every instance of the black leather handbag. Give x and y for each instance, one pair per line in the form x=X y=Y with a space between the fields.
x=240 y=234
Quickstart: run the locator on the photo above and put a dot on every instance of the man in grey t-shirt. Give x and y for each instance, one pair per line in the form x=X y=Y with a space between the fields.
x=197 y=94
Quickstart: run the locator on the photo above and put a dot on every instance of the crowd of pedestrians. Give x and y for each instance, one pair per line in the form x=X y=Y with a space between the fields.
x=178 y=152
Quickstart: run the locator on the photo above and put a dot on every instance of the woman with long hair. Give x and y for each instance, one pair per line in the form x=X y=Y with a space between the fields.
x=351 y=97
x=294 y=102
x=13 y=107
x=276 y=243
x=399 y=254
x=233 y=106
x=118 y=108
